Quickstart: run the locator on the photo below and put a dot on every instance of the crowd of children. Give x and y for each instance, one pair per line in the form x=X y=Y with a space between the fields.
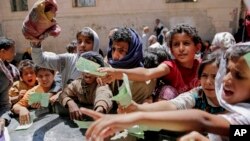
x=182 y=92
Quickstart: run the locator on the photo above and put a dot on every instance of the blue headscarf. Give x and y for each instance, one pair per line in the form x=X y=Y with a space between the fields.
x=134 y=57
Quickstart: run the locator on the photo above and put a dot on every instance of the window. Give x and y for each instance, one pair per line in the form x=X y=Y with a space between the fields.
x=175 y=1
x=84 y=3
x=19 y=5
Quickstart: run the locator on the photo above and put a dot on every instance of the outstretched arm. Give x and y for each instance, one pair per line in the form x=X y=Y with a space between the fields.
x=183 y=120
x=138 y=74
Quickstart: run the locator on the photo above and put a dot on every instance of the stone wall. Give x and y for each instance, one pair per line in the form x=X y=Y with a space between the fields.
x=209 y=16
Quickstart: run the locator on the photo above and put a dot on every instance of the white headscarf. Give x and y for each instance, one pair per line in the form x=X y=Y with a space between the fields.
x=223 y=40
x=240 y=108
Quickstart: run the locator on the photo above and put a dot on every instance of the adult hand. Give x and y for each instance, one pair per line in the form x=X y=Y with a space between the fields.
x=53 y=98
x=24 y=116
x=74 y=110
x=193 y=136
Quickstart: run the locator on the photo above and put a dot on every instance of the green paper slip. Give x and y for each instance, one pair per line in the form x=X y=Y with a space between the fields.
x=42 y=98
x=124 y=97
x=85 y=65
x=24 y=127
x=83 y=124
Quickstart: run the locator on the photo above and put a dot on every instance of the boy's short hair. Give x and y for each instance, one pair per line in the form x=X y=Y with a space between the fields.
x=184 y=28
x=87 y=32
x=71 y=47
x=25 y=64
x=38 y=68
x=6 y=43
x=93 y=56
x=121 y=34
x=152 y=57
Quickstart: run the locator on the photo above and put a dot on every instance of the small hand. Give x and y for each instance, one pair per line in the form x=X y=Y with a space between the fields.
x=24 y=116
x=74 y=110
x=36 y=105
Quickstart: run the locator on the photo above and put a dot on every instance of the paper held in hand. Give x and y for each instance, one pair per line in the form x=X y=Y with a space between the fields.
x=42 y=98
x=124 y=97
x=85 y=65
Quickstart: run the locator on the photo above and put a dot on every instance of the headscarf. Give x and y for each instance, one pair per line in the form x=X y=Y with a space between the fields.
x=40 y=21
x=134 y=57
x=240 y=108
x=223 y=41
x=6 y=71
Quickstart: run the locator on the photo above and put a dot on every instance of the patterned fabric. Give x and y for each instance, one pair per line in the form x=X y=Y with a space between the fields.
x=40 y=22
x=202 y=104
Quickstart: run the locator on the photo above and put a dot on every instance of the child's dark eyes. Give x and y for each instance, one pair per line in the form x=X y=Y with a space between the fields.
x=204 y=75
x=238 y=76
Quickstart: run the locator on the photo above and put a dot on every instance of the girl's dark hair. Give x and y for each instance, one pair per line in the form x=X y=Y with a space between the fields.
x=25 y=64
x=6 y=43
x=237 y=51
x=184 y=28
x=152 y=57
x=93 y=56
x=209 y=58
x=86 y=32
x=38 y=68
x=122 y=34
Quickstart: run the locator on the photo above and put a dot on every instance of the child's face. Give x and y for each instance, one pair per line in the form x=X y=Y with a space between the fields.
x=207 y=79
x=84 y=43
x=119 y=50
x=9 y=53
x=88 y=78
x=183 y=48
x=45 y=78
x=236 y=83
x=29 y=76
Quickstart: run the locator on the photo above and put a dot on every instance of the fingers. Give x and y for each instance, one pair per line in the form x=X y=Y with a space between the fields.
x=95 y=115
x=77 y=115
x=24 y=119
x=193 y=136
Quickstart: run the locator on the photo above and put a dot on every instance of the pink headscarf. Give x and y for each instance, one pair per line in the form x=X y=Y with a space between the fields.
x=40 y=21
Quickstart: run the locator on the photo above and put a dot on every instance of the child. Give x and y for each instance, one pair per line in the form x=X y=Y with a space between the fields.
x=179 y=73
x=28 y=81
x=125 y=51
x=46 y=84
x=203 y=98
x=86 y=91
x=87 y=40
x=233 y=93
x=7 y=54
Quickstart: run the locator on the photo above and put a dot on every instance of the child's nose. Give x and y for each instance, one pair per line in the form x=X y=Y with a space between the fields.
x=116 y=56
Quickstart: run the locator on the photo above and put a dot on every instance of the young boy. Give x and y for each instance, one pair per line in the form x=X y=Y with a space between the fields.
x=85 y=91
x=180 y=73
x=28 y=81
x=46 y=84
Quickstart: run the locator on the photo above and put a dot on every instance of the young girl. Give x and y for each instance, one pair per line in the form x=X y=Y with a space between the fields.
x=233 y=93
x=179 y=73
x=28 y=81
x=46 y=84
x=85 y=91
x=87 y=40
x=203 y=98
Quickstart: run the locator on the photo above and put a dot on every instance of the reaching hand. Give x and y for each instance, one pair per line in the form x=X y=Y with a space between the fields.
x=53 y=98
x=36 y=105
x=133 y=107
x=107 y=125
x=2 y=124
x=24 y=116
x=74 y=110
x=21 y=94
x=111 y=75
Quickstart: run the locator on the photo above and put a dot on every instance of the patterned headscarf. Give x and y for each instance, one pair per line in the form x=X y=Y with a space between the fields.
x=134 y=56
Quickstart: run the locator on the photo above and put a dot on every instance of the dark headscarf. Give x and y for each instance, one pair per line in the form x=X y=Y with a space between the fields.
x=134 y=57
